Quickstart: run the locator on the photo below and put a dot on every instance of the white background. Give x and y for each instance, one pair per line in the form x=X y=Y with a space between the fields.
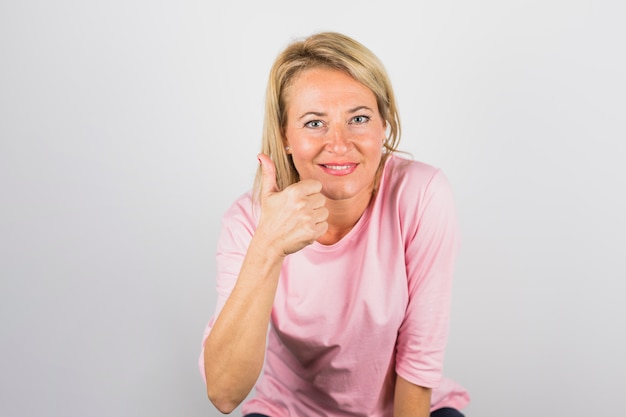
x=127 y=128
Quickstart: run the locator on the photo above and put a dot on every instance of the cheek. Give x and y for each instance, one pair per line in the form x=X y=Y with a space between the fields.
x=303 y=147
x=373 y=146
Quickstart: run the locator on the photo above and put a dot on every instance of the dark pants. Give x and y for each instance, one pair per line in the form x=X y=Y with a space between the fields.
x=442 y=412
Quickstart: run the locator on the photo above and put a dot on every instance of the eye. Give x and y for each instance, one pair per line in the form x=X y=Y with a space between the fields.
x=360 y=119
x=314 y=124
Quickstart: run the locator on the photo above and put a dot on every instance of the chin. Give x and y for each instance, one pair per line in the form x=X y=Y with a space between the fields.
x=339 y=194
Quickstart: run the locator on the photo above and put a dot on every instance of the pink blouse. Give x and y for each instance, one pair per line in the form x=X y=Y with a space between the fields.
x=349 y=317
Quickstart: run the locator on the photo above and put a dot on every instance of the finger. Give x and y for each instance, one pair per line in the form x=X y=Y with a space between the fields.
x=320 y=228
x=309 y=186
x=321 y=215
x=268 y=169
x=317 y=200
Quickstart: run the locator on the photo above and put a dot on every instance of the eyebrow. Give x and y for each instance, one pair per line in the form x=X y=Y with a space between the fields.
x=319 y=114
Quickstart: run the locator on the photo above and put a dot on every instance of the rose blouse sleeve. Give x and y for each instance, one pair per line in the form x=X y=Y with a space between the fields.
x=431 y=240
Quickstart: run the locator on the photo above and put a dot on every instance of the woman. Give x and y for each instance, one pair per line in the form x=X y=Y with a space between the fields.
x=344 y=251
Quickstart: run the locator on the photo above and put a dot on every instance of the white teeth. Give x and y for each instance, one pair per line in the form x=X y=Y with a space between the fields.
x=337 y=167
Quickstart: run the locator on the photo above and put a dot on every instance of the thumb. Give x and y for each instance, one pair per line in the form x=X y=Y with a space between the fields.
x=268 y=169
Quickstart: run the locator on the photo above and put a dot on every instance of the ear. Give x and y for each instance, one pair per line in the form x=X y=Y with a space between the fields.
x=286 y=143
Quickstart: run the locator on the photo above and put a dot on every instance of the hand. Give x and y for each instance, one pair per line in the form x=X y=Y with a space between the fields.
x=293 y=218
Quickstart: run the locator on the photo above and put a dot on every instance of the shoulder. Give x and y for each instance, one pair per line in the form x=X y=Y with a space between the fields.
x=415 y=192
x=241 y=218
x=242 y=206
x=412 y=179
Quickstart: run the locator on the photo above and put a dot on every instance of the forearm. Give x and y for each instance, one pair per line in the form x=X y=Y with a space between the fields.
x=235 y=349
x=410 y=400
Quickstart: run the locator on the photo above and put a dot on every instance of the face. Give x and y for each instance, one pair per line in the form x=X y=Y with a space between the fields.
x=334 y=132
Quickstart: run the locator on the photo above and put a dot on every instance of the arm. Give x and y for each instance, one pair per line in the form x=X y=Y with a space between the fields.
x=234 y=350
x=410 y=400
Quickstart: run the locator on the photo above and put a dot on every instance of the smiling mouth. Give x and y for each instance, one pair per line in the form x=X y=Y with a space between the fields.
x=339 y=169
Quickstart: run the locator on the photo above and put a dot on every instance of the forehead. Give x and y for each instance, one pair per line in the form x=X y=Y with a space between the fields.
x=324 y=87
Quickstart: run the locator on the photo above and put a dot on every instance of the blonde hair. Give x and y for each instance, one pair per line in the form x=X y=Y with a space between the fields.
x=328 y=50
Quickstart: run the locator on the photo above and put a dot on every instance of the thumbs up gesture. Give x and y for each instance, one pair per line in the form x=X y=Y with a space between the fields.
x=292 y=218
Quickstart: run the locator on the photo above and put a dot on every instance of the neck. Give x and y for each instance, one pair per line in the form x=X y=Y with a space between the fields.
x=342 y=216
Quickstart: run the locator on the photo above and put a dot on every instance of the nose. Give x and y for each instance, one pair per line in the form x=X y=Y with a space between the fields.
x=338 y=140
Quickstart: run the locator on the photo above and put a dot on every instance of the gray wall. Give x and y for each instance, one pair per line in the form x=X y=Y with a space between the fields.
x=128 y=127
